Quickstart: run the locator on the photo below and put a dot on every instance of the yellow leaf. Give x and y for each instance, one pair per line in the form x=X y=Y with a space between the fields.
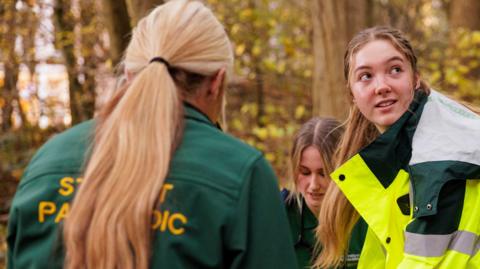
x=261 y=133
x=463 y=69
x=256 y=50
x=282 y=66
x=245 y=108
x=235 y=29
x=299 y=112
x=239 y=49
x=275 y=131
x=246 y=14
x=270 y=157
x=237 y=124
x=307 y=73
x=476 y=37
x=270 y=109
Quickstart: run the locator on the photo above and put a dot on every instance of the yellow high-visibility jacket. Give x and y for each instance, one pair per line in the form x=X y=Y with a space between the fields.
x=418 y=188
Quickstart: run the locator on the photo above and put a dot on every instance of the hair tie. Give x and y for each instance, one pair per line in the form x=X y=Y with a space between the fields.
x=160 y=60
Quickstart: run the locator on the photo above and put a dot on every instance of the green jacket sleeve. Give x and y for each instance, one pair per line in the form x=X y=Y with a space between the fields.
x=11 y=235
x=260 y=233
x=33 y=230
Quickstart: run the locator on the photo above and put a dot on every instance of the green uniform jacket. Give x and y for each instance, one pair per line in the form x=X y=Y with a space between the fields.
x=221 y=204
x=302 y=226
x=418 y=188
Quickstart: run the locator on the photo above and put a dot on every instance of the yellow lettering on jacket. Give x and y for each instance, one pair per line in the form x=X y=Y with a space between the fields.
x=63 y=212
x=165 y=220
x=66 y=186
x=157 y=219
x=163 y=192
x=171 y=225
x=45 y=208
x=162 y=221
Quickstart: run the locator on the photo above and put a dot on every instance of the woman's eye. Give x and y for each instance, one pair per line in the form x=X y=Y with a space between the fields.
x=304 y=172
x=365 y=77
x=396 y=70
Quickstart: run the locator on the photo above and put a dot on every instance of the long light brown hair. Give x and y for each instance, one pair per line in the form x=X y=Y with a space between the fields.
x=110 y=223
x=337 y=214
x=323 y=134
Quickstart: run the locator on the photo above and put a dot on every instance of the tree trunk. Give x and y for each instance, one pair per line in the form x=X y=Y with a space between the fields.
x=139 y=8
x=11 y=65
x=9 y=94
x=88 y=21
x=334 y=23
x=31 y=21
x=117 y=21
x=65 y=40
x=256 y=66
x=464 y=14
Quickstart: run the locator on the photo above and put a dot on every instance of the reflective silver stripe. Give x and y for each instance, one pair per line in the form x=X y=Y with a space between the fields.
x=435 y=245
x=477 y=249
x=426 y=245
x=464 y=242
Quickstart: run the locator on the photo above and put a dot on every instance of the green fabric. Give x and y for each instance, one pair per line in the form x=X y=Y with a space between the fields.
x=302 y=228
x=355 y=244
x=221 y=210
x=447 y=219
x=429 y=188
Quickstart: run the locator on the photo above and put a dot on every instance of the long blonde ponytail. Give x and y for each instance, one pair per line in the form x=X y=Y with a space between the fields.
x=110 y=222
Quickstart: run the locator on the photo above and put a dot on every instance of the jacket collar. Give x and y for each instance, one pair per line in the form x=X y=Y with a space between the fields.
x=193 y=113
x=392 y=150
x=309 y=220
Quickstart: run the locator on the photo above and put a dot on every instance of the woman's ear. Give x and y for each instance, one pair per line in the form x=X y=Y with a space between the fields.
x=417 y=81
x=216 y=83
x=128 y=75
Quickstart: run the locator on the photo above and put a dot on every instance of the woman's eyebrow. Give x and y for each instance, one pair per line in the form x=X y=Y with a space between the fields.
x=394 y=58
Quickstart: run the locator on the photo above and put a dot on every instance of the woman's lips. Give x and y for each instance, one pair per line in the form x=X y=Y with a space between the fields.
x=316 y=195
x=385 y=103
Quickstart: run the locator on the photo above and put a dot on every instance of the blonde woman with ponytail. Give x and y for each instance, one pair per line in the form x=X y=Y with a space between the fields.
x=407 y=164
x=161 y=185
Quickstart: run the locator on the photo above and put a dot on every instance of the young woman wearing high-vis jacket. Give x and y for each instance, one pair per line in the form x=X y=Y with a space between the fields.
x=408 y=164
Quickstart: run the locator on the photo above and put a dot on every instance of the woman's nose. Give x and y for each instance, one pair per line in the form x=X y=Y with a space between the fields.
x=314 y=182
x=381 y=85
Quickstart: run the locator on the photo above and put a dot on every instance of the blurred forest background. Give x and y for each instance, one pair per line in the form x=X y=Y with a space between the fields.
x=59 y=61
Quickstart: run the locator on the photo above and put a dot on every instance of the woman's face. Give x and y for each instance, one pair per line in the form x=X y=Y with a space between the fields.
x=312 y=182
x=382 y=83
